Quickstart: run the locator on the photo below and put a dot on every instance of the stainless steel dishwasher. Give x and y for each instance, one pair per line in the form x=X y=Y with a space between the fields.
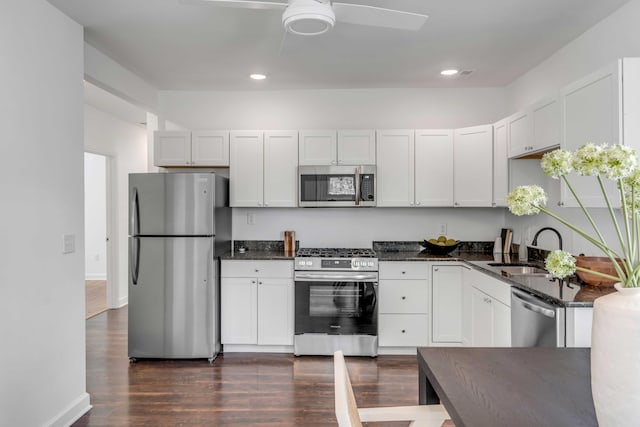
x=534 y=322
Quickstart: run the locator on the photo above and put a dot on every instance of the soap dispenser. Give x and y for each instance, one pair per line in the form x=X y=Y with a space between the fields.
x=523 y=253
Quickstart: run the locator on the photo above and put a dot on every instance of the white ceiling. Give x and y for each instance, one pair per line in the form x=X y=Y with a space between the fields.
x=186 y=46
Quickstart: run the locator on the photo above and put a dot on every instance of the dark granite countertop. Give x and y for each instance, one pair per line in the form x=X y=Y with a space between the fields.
x=256 y=255
x=420 y=256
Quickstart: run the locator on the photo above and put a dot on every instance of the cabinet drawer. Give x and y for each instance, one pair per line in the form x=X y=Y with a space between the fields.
x=492 y=287
x=403 y=330
x=404 y=270
x=404 y=296
x=232 y=268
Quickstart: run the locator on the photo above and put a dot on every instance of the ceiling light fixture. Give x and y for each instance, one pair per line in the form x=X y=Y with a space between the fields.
x=449 y=72
x=258 y=76
x=308 y=17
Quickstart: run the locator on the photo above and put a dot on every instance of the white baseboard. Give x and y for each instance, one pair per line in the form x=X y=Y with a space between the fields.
x=243 y=348
x=71 y=413
x=95 y=277
x=123 y=301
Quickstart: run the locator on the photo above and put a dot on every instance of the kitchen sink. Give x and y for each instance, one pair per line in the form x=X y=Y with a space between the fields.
x=524 y=270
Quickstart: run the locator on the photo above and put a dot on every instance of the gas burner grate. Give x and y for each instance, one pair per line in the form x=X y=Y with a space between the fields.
x=336 y=252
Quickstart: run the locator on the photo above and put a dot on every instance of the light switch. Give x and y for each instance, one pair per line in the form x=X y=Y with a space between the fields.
x=68 y=243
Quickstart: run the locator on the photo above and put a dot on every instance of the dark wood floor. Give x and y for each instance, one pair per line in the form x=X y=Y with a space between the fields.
x=240 y=389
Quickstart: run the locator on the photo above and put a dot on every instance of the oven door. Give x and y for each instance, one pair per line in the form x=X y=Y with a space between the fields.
x=336 y=186
x=337 y=303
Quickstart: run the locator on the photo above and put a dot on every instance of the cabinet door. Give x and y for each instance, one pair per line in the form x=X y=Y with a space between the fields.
x=473 y=166
x=238 y=311
x=447 y=304
x=275 y=311
x=519 y=129
x=280 y=168
x=403 y=330
x=434 y=168
x=403 y=296
x=501 y=325
x=395 y=160
x=591 y=113
x=500 y=164
x=171 y=148
x=356 y=147
x=246 y=169
x=481 y=319
x=210 y=148
x=317 y=147
x=545 y=124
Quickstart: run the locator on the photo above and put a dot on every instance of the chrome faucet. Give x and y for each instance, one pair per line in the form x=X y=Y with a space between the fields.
x=535 y=237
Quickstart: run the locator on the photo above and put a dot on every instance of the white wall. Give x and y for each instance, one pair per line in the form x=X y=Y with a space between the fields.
x=42 y=361
x=615 y=37
x=326 y=109
x=95 y=217
x=361 y=108
x=126 y=145
x=358 y=227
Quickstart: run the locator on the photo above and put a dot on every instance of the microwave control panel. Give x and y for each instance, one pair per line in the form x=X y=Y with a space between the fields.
x=367 y=190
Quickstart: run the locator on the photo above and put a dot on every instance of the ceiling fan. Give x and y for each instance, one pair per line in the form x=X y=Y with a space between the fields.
x=313 y=17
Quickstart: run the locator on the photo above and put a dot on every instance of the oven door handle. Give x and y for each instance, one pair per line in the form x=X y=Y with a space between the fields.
x=337 y=277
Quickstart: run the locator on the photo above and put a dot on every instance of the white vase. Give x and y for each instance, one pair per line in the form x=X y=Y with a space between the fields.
x=615 y=358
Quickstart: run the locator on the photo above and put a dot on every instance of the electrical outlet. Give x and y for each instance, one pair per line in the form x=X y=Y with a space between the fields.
x=443 y=229
x=251 y=219
x=68 y=243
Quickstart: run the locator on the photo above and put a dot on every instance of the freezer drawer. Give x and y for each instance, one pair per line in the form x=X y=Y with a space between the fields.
x=172 y=294
x=171 y=204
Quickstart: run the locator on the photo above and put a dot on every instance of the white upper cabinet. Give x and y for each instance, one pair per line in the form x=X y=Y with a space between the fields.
x=197 y=148
x=434 y=167
x=246 y=171
x=519 y=131
x=473 y=166
x=263 y=169
x=395 y=167
x=343 y=147
x=172 y=148
x=209 y=148
x=546 y=121
x=600 y=108
x=280 y=168
x=317 y=147
x=356 y=147
x=500 y=164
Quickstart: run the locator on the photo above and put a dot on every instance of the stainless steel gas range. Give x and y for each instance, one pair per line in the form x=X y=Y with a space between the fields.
x=336 y=302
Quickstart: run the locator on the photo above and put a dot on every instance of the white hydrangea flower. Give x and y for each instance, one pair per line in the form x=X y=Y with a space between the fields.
x=560 y=263
x=588 y=160
x=557 y=163
x=526 y=200
x=619 y=161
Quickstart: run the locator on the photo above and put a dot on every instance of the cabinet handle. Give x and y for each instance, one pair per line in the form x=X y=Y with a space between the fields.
x=404 y=297
x=404 y=272
x=259 y=283
x=456 y=204
x=257 y=270
x=560 y=203
x=253 y=281
x=436 y=269
x=418 y=203
x=403 y=331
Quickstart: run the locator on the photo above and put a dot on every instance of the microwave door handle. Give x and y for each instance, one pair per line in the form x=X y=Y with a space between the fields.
x=358 y=186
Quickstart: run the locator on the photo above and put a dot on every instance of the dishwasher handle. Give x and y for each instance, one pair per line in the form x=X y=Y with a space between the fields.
x=531 y=306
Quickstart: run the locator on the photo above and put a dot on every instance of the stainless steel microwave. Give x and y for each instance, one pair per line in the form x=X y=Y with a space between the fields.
x=336 y=186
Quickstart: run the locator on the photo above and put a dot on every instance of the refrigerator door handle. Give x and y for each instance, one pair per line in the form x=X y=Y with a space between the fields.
x=134 y=259
x=135 y=212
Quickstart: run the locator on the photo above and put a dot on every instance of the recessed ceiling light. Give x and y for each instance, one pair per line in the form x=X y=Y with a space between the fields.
x=258 y=76
x=449 y=72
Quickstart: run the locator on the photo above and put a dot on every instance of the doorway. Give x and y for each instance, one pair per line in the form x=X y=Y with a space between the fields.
x=96 y=214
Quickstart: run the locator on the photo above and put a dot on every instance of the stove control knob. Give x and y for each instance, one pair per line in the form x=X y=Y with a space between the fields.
x=370 y=263
x=301 y=263
x=356 y=263
x=309 y=263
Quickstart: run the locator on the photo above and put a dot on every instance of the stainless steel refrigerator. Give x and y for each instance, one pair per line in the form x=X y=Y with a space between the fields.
x=179 y=225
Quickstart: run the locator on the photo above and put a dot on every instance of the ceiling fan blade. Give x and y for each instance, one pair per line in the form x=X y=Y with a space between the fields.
x=378 y=17
x=242 y=4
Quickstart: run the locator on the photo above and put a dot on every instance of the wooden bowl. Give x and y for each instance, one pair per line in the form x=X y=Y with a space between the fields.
x=440 y=249
x=600 y=264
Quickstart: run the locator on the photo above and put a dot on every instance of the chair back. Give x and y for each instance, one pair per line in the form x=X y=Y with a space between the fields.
x=345 y=401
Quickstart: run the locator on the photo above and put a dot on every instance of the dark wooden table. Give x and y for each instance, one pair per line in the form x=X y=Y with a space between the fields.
x=515 y=387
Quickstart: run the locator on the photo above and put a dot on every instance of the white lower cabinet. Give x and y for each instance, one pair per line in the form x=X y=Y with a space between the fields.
x=256 y=305
x=490 y=317
x=447 y=304
x=403 y=295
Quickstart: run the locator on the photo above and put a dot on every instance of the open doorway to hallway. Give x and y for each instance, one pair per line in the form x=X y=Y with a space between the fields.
x=96 y=251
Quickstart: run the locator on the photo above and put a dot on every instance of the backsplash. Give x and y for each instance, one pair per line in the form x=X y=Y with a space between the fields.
x=409 y=246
